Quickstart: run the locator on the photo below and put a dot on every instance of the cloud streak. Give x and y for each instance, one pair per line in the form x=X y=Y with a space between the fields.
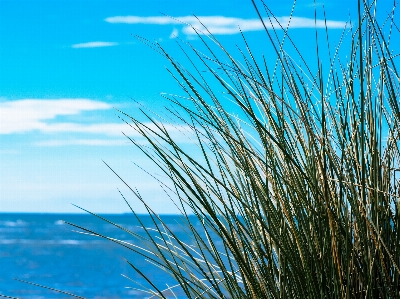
x=31 y=114
x=97 y=44
x=174 y=33
x=90 y=142
x=39 y=115
x=225 y=25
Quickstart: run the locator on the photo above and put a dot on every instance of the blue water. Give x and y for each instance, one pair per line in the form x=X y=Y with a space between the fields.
x=42 y=249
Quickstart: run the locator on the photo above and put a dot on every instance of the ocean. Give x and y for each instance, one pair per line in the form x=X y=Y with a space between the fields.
x=42 y=249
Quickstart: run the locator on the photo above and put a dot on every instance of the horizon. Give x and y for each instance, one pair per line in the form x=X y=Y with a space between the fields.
x=66 y=67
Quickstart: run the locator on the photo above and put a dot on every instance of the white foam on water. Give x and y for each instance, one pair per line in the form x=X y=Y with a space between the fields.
x=17 y=223
x=59 y=222
x=47 y=242
x=72 y=242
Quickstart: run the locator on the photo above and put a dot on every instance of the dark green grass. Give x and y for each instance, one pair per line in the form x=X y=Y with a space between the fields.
x=300 y=186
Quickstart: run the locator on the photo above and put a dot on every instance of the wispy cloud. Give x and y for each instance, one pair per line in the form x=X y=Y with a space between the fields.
x=40 y=115
x=90 y=142
x=32 y=114
x=226 y=25
x=317 y=4
x=110 y=129
x=174 y=33
x=96 y=44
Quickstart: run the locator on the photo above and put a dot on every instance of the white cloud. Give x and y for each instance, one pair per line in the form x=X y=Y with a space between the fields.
x=318 y=4
x=226 y=25
x=8 y=152
x=37 y=115
x=110 y=129
x=103 y=128
x=174 y=33
x=96 y=44
x=31 y=114
x=91 y=142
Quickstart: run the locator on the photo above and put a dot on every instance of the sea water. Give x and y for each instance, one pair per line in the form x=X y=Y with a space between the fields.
x=42 y=249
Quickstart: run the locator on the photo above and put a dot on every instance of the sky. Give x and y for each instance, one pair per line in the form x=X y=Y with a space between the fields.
x=66 y=65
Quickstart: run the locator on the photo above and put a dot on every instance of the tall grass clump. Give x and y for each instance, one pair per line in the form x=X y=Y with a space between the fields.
x=296 y=187
x=293 y=191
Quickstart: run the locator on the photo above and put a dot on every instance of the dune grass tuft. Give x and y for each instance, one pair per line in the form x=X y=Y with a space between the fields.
x=296 y=188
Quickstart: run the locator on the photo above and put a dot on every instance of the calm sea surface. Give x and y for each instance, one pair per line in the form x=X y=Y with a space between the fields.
x=42 y=249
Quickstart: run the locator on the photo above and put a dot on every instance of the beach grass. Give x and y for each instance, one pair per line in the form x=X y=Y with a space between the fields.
x=296 y=188
x=293 y=192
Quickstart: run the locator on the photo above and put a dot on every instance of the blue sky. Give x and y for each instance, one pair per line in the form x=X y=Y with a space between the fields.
x=64 y=65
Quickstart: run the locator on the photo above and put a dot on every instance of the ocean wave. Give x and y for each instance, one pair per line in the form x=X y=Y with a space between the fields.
x=59 y=222
x=17 y=223
x=49 y=242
